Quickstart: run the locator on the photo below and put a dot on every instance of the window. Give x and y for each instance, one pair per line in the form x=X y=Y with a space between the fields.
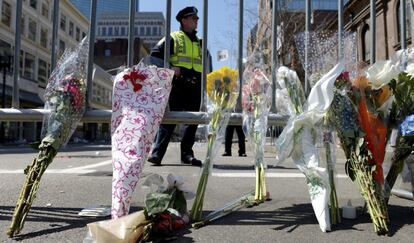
x=110 y=31
x=6 y=13
x=61 y=47
x=22 y=26
x=43 y=37
x=33 y=4
x=77 y=34
x=83 y=34
x=103 y=31
x=71 y=28
x=63 y=22
x=29 y=65
x=45 y=8
x=407 y=22
x=123 y=31
x=366 y=45
x=116 y=31
x=32 y=30
x=21 y=62
x=154 y=30
x=42 y=73
x=148 y=31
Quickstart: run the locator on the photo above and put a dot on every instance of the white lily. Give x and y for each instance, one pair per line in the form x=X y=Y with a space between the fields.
x=410 y=70
x=381 y=73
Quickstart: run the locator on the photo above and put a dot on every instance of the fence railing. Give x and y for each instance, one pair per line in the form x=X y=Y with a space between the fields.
x=16 y=114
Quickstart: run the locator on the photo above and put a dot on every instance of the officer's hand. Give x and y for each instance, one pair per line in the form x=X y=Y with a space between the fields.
x=177 y=71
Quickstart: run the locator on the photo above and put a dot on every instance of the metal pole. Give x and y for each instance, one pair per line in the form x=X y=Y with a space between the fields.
x=55 y=33
x=307 y=29
x=91 y=52
x=403 y=24
x=373 y=29
x=17 y=39
x=131 y=33
x=274 y=53
x=167 y=35
x=240 y=55
x=205 y=58
x=340 y=29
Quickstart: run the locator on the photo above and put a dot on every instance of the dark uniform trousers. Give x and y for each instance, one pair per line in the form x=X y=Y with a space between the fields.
x=185 y=96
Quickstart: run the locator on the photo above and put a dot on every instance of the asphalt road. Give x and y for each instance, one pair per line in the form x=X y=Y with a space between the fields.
x=80 y=176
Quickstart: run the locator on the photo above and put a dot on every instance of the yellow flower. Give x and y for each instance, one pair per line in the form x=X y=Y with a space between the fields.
x=221 y=82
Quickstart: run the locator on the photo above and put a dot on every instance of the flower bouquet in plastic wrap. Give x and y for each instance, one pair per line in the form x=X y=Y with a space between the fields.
x=401 y=117
x=363 y=138
x=256 y=102
x=301 y=136
x=140 y=97
x=222 y=92
x=164 y=214
x=65 y=98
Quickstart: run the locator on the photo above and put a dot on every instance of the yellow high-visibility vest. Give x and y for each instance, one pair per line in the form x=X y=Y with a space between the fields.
x=186 y=53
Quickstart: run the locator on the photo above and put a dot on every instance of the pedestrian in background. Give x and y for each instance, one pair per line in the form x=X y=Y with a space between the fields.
x=229 y=140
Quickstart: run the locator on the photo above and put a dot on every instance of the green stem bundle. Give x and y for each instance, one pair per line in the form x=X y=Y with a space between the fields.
x=197 y=209
x=28 y=192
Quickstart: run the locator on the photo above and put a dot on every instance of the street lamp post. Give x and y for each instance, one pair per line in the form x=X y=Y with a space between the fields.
x=5 y=63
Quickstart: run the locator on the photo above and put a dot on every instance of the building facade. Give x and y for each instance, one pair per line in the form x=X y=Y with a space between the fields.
x=35 y=55
x=357 y=19
x=149 y=26
x=104 y=6
x=291 y=21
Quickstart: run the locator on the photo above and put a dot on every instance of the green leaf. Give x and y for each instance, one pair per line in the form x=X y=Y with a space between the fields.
x=349 y=170
x=157 y=203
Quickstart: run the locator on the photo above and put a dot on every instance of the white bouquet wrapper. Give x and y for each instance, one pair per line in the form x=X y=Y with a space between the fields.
x=122 y=230
x=299 y=138
x=140 y=98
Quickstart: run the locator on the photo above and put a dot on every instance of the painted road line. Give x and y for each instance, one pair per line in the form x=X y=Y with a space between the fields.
x=76 y=170
x=270 y=175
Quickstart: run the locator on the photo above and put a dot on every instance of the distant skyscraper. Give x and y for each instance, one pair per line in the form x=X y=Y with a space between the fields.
x=106 y=6
x=316 y=4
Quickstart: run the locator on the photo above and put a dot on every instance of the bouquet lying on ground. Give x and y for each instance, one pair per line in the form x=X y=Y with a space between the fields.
x=164 y=214
x=140 y=97
x=222 y=91
x=65 y=98
x=256 y=102
x=363 y=138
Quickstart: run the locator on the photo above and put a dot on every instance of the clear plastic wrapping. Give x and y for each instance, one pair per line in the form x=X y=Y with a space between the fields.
x=65 y=96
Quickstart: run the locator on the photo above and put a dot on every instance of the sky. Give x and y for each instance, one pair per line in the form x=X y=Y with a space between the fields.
x=222 y=23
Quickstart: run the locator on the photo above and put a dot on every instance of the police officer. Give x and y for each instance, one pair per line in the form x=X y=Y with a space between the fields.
x=185 y=60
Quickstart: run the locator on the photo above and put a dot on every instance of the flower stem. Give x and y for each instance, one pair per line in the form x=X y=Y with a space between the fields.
x=28 y=192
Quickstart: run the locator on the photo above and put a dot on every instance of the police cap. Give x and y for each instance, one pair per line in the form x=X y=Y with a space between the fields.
x=185 y=12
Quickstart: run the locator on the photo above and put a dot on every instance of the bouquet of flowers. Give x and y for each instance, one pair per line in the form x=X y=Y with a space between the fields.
x=256 y=104
x=401 y=115
x=165 y=212
x=222 y=91
x=363 y=136
x=65 y=97
x=140 y=97
x=299 y=139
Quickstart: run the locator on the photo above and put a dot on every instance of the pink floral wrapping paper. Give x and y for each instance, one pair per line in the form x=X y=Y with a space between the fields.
x=140 y=97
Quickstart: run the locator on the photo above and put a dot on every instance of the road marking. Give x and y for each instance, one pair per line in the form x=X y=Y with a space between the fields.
x=76 y=170
x=271 y=175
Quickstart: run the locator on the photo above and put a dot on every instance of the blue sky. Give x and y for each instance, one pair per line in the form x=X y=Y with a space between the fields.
x=222 y=23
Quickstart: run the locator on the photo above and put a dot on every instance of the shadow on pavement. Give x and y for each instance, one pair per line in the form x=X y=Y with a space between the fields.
x=58 y=220
x=290 y=218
